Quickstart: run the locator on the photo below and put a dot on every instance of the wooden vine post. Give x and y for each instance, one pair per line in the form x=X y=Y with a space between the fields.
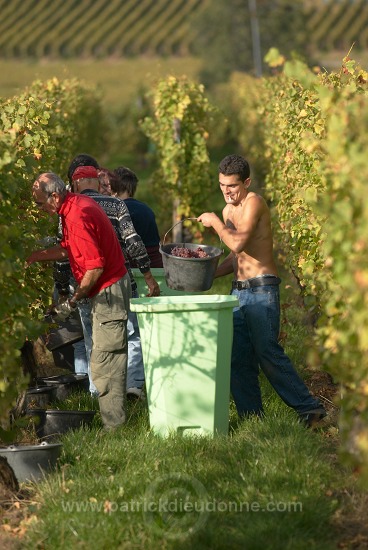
x=177 y=128
x=177 y=232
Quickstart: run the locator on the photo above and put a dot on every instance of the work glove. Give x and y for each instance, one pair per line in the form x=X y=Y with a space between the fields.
x=62 y=311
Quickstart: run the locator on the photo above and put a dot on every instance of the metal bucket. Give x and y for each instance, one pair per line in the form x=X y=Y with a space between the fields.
x=189 y=274
x=63 y=333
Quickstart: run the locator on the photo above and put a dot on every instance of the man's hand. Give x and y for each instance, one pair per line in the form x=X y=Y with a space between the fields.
x=154 y=289
x=63 y=298
x=62 y=311
x=208 y=219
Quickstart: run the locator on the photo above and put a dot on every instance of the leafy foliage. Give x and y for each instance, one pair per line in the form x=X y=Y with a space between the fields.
x=178 y=132
x=246 y=123
x=315 y=138
x=40 y=130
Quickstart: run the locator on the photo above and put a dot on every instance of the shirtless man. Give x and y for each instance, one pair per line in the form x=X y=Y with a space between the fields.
x=246 y=231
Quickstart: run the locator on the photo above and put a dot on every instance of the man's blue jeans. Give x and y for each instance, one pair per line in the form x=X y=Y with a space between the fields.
x=135 y=372
x=255 y=344
x=85 y=312
x=80 y=358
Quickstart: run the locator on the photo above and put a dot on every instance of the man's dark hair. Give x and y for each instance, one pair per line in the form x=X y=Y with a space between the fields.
x=81 y=160
x=105 y=173
x=127 y=183
x=234 y=164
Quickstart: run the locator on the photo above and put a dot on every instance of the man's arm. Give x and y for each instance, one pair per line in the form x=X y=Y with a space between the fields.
x=236 y=239
x=226 y=267
x=47 y=255
x=89 y=280
x=64 y=309
x=136 y=250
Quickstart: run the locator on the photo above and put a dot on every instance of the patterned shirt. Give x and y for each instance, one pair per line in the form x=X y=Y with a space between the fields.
x=130 y=242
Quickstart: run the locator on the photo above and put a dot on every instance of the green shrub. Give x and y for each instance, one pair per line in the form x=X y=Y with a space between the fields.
x=40 y=130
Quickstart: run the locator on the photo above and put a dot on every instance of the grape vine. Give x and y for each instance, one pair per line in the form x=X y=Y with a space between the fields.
x=40 y=130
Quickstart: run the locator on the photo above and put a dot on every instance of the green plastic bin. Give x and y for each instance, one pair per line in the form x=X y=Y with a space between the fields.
x=159 y=275
x=186 y=343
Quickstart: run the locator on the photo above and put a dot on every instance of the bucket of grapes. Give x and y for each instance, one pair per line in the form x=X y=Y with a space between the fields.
x=189 y=267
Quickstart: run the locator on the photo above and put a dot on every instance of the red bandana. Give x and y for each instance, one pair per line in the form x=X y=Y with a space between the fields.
x=84 y=172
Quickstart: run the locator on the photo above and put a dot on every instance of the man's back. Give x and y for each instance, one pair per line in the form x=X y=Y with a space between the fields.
x=90 y=240
x=144 y=221
x=131 y=244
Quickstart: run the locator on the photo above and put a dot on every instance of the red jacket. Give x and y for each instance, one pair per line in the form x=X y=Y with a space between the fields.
x=90 y=240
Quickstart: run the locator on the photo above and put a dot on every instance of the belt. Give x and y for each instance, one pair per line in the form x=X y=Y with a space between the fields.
x=256 y=281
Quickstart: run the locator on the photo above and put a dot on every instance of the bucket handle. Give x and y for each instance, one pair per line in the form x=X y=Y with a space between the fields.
x=177 y=223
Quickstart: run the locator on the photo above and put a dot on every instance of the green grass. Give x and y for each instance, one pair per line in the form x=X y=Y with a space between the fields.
x=119 y=80
x=274 y=462
x=76 y=401
x=269 y=482
x=266 y=481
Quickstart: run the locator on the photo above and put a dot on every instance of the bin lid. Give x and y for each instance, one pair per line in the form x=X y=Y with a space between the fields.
x=183 y=303
x=156 y=272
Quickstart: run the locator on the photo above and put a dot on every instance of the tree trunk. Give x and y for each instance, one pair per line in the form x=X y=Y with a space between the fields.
x=8 y=482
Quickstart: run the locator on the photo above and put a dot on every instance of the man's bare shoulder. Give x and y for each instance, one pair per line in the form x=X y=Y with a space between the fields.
x=255 y=197
x=255 y=202
x=225 y=210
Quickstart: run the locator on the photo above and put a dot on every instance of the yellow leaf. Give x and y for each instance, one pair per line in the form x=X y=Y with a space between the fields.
x=361 y=278
x=362 y=440
x=273 y=58
x=319 y=127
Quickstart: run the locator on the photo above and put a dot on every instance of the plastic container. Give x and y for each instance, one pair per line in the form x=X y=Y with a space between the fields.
x=40 y=396
x=63 y=333
x=53 y=422
x=66 y=384
x=64 y=357
x=186 y=342
x=189 y=274
x=31 y=462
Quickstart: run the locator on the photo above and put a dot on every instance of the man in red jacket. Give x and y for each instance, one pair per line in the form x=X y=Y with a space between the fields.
x=98 y=265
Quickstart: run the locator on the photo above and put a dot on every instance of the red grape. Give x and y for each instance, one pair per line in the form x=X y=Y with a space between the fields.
x=183 y=252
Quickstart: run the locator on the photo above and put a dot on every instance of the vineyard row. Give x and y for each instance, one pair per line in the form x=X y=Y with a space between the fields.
x=116 y=28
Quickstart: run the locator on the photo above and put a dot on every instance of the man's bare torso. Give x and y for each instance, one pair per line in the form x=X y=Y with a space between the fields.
x=251 y=217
